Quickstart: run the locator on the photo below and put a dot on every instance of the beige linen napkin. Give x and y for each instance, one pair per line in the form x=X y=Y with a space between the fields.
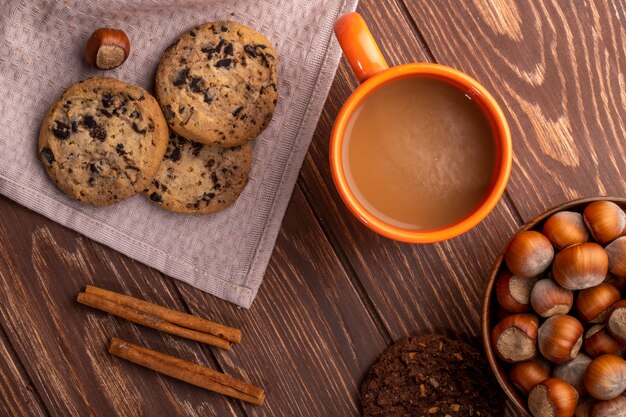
x=225 y=254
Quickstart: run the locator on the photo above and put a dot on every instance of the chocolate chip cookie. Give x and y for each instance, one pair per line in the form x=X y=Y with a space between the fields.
x=103 y=140
x=431 y=376
x=216 y=84
x=196 y=178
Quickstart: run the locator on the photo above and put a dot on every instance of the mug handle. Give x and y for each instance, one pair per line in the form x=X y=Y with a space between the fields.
x=359 y=46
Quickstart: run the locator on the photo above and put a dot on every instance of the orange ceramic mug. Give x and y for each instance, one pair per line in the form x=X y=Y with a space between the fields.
x=372 y=71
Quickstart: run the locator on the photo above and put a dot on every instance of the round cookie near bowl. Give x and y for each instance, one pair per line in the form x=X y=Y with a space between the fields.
x=490 y=303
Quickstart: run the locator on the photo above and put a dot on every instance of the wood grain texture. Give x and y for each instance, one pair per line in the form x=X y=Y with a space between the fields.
x=17 y=396
x=308 y=338
x=412 y=288
x=558 y=70
x=62 y=344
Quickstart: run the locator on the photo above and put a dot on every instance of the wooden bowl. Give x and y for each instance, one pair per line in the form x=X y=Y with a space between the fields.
x=490 y=304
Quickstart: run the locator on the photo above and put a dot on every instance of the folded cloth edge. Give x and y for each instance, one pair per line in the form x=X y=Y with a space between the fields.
x=242 y=295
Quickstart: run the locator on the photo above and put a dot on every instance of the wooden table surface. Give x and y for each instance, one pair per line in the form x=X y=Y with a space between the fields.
x=335 y=294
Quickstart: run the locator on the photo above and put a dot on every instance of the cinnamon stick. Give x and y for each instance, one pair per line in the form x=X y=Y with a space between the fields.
x=148 y=320
x=182 y=319
x=187 y=371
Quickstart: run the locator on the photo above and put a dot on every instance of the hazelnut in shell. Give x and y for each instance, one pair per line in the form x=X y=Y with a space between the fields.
x=616 y=324
x=594 y=304
x=529 y=254
x=514 y=338
x=560 y=338
x=513 y=292
x=616 y=252
x=573 y=372
x=549 y=299
x=565 y=228
x=552 y=398
x=605 y=219
x=611 y=408
x=525 y=375
x=107 y=48
x=580 y=266
x=605 y=378
x=598 y=341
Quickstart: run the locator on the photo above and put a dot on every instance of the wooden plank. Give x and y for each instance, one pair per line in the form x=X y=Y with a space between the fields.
x=17 y=396
x=558 y=69
x=396 y=34
x=62 y=344
x=308 y=338
x=413 y=288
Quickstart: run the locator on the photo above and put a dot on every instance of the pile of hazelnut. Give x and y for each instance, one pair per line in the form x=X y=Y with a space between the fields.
x=562 y=313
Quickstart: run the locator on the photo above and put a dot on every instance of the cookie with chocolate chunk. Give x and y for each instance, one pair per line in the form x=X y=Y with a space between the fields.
x=431 y=376
x=103 y=140
x=196 y=178
x=216 y=84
